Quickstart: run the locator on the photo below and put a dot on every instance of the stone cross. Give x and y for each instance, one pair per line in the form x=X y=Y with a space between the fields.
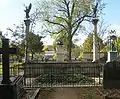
x=5 y=51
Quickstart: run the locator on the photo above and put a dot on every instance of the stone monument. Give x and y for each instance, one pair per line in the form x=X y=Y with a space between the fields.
x=111 y=72
x=95 y=43
x=27 y=24
x=6 y=87
x=60 y=51
x=112 y=53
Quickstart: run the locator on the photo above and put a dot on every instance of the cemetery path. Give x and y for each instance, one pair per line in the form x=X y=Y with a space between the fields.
x=69 y=93
x=65 y=93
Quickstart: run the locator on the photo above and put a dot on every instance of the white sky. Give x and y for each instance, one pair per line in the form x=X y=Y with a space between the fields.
x=11 y=12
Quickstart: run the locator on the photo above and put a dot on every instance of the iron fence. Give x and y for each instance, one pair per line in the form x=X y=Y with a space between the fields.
x=62 y=74
x=58 y=74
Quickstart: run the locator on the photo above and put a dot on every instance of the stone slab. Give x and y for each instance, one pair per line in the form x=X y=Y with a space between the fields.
x=111 y=75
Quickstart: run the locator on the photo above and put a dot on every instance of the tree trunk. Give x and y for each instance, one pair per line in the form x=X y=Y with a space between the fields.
x=32 y=56
x=69 y=46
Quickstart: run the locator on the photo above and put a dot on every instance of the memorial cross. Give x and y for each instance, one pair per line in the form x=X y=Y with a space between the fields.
x=5 y=51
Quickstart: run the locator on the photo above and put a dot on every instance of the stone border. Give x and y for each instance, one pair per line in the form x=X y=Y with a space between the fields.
x=35 y=94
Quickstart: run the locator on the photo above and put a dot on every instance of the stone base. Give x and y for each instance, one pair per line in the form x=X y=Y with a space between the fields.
x=111 y=75
x=112 y=56
x=60 y=57
x=8 y=91
x=111 y=84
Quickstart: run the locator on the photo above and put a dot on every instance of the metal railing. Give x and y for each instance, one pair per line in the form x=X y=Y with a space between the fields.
x=14 y=70
x=58 y=74
x=62 y=74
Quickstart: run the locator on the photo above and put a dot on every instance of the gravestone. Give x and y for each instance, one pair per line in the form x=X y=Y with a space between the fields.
x=8 y=89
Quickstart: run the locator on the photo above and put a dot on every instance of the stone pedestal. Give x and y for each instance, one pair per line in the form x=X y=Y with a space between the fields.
x=112 y=55
x=14 y=90
x=8 y=91
x=60 y=53
x=111 y=78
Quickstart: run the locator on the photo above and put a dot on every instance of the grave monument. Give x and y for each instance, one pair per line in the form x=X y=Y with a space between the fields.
x=10 y=87
x=60 y=51
x=6 y=87
x=112 y=53
x=111 y=72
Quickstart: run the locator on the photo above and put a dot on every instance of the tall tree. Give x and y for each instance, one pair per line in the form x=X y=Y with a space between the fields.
x=68 y=16
x=88 y=43
x=35 y=45
x=17 y=37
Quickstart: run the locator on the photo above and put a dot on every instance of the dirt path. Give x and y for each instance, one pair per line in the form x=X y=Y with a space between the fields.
x=66 y=93
x=69 y=93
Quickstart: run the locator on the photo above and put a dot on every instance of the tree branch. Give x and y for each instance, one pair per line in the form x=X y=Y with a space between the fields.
x=62 y=7
x=79 y=20
x=62 y=18
x=67 y=6
x=56 y=24
x=54 y=32
x=87 y=20
x=77 y=26
x=72 y=10
x=62 y=10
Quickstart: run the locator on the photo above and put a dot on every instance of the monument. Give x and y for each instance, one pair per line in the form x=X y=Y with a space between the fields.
x=95 y=43
x=6 y=87
x=27 y=24
x=111 y=72
x=60 y=51
x=112 y=48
